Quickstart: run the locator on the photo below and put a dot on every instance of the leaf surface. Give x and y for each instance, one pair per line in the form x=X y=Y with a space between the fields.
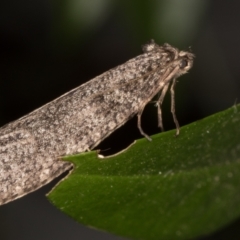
x=170 y=188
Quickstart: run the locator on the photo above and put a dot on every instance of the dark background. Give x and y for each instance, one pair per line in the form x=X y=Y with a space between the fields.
x=49 y=47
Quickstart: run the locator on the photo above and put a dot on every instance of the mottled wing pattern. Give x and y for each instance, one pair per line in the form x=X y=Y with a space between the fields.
x=77 y=121
x=16 y=147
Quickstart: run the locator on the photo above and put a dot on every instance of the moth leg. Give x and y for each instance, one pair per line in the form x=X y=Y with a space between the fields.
x=158 y=104
x=139 y=115
x=173 y=106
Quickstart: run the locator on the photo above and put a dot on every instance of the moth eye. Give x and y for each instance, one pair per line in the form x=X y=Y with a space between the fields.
x=183 y=63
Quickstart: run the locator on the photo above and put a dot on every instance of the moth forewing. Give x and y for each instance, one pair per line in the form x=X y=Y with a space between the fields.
x=80 y=119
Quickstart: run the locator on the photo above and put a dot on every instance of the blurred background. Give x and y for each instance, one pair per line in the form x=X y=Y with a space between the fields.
x=49 y=47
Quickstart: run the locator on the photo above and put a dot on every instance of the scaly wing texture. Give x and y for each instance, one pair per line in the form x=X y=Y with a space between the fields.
x=77 y=121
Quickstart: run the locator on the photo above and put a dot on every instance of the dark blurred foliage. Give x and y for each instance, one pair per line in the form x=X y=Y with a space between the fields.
x=49 y=47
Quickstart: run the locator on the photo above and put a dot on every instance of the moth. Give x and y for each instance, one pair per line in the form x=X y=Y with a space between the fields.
x=31 y=147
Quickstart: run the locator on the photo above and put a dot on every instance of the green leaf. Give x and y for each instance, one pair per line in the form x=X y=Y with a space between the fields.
x=170 y=188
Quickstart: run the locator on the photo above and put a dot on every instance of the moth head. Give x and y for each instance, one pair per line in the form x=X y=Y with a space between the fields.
x=185 y=61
